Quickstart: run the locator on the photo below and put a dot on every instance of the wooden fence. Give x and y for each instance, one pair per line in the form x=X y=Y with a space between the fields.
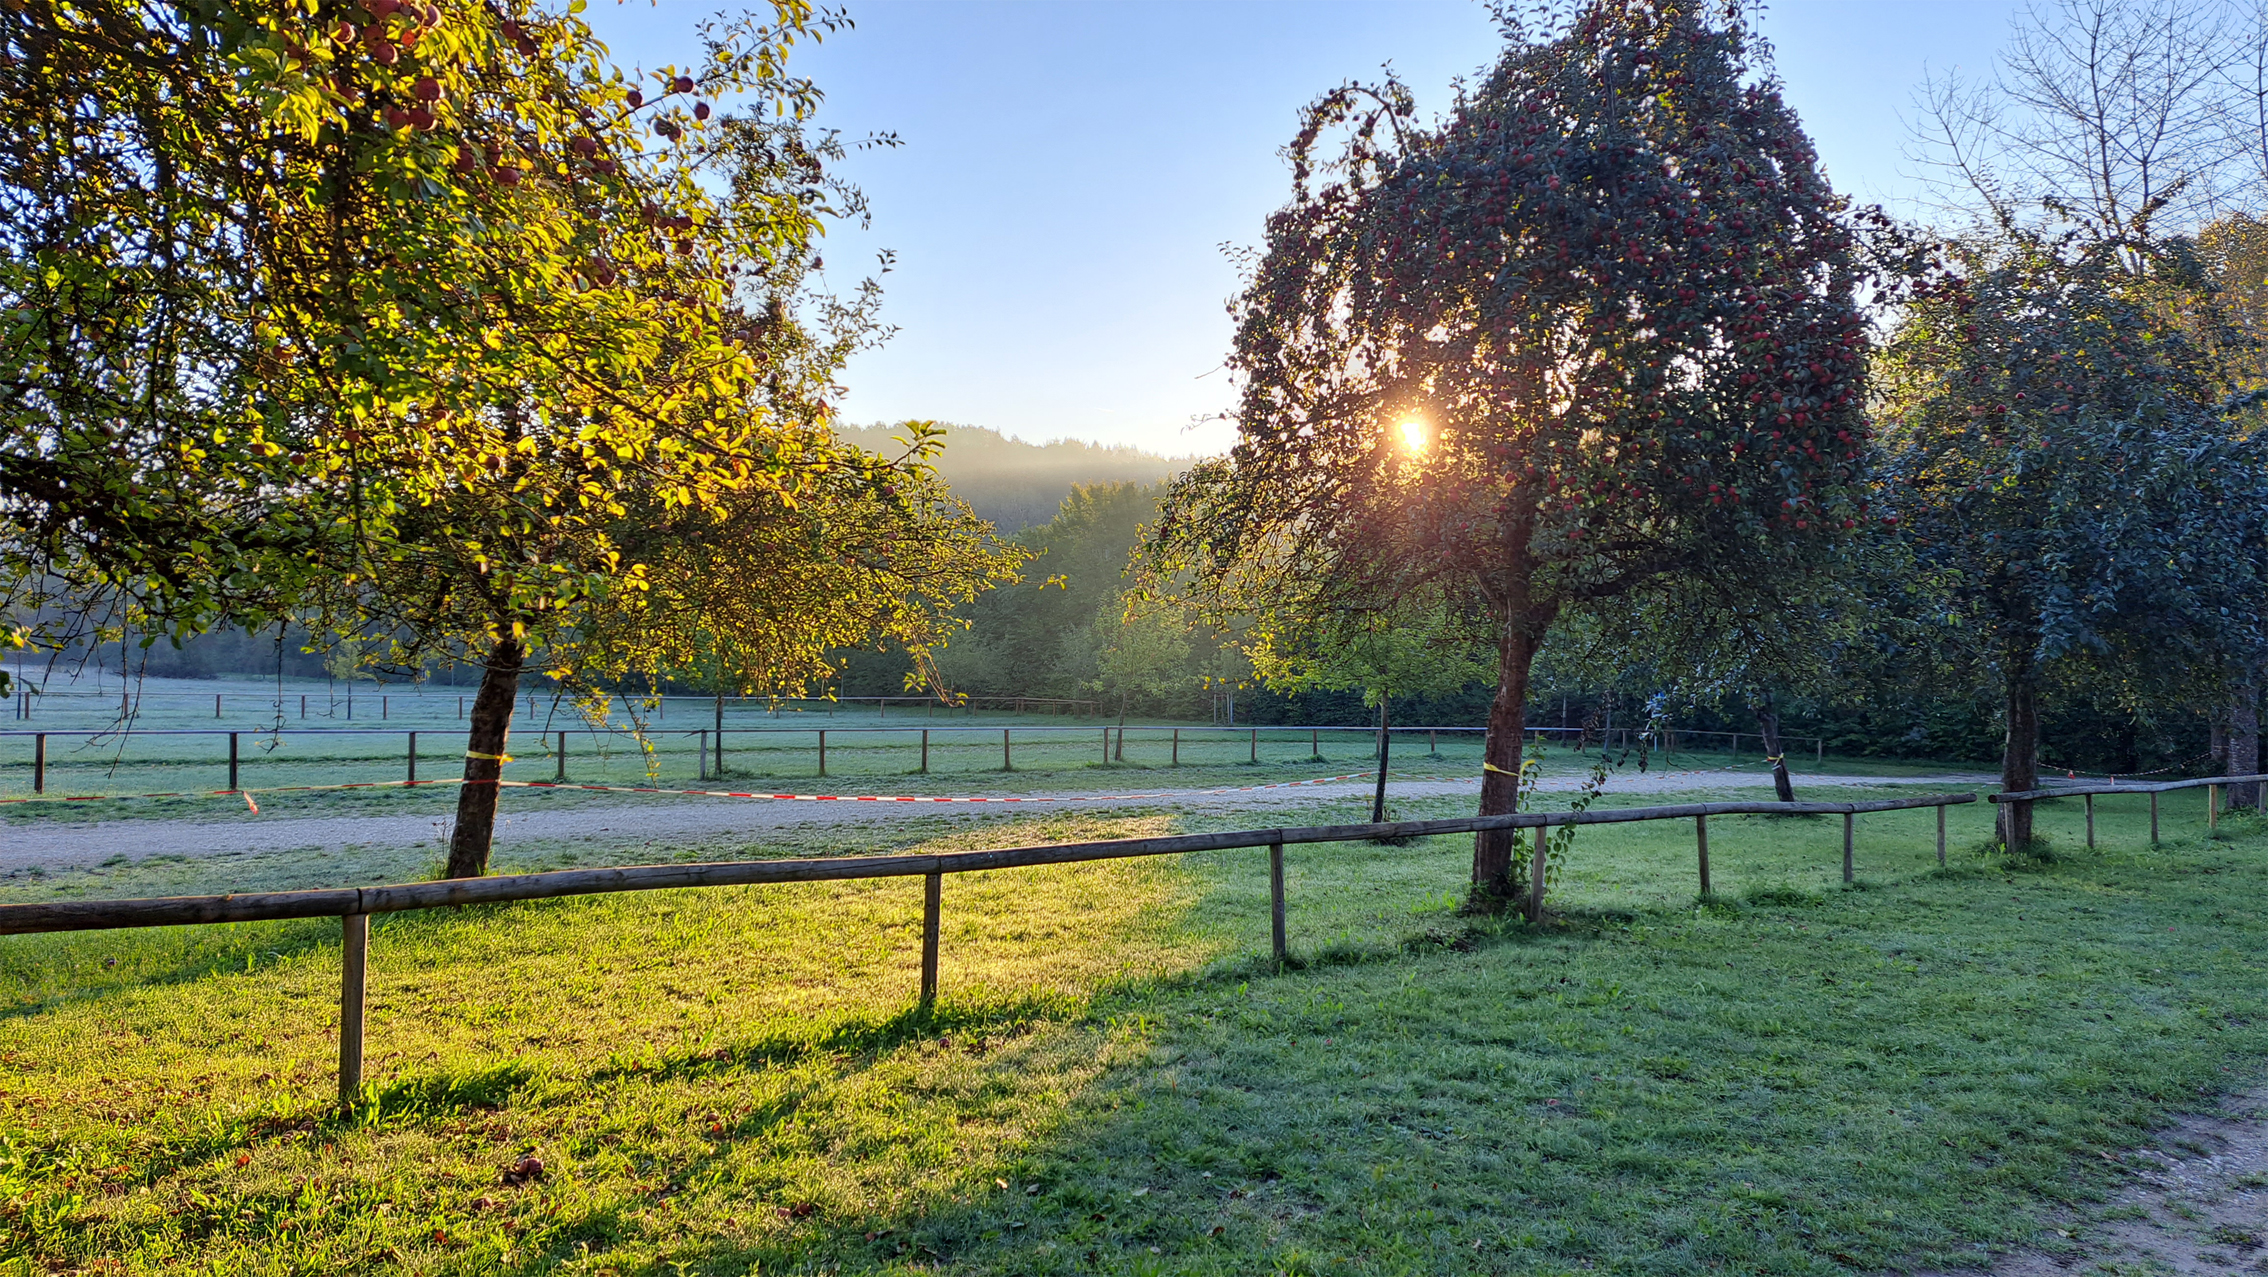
x=2210 y=784
x=354 y=905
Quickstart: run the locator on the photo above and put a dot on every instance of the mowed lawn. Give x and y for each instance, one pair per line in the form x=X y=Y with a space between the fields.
x=1790 y=1078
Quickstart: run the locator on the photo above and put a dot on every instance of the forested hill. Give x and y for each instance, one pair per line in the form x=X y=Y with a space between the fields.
x=1019 y=485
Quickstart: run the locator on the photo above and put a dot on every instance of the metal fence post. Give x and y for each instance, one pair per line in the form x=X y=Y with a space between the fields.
x=1007 y=760
x=354 y=960
x=932 y=900
x=2212 y=808
x=561 y=773
x=1848 y=821
x=822 y=751
x=925 y=750
x=39 y=763
x=1177 y=747
x=413 y=758
x=1256 y=744
x=232 y=760
x=1941 y=828
x=2090 y=822
x=1276 y=900
x=2153 y=817
x=701 y=759
x=1701 y=844
x=216 y=704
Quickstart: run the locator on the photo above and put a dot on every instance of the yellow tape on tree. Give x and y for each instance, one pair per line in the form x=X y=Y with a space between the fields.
x=501 y=758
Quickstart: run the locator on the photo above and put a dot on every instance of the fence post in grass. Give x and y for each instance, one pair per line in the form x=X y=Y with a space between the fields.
x=39 y=763
x=354 y=965
x=925 y=751
x=1007 y=760
x=932 y=894
x=562 y=768
x=1177 y=747
x=1276 y=901
x=1701 y=844
x=1941 y=828
x=2212 y=808
x=2090 y=822
x=701 y=759
x=822 y=751
x=1848 y=821
x=2153 y=817
x=1314 y=745
x=216 y=704
x=1819 y=751
x=385 y=708
x=1256 y=744
x=1536 y=878
x=413 y=758
x=232 y=760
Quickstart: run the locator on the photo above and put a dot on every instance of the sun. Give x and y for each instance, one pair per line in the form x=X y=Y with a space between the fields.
x=1414 y=438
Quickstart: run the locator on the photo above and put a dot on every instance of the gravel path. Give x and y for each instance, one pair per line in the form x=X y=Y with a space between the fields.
x=655 y=817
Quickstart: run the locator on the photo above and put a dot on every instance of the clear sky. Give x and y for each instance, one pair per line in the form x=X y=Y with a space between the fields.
x=1070 y=170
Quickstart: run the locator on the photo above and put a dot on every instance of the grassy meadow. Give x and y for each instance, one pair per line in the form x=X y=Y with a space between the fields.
x=1789 y=1077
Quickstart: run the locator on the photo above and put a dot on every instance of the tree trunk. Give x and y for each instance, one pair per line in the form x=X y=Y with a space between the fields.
x=1385 y=739
x=484 y=759
x=1501 y=755
x=2244 y=745
x=1768 y=727
x=2020 y=755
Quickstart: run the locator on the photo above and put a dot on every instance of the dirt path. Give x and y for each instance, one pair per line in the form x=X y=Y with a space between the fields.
x=2198 y=1204
x=652 y=817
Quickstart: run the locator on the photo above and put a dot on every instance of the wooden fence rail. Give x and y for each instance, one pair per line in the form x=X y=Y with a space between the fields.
x=2210 y=784
x=354 y=905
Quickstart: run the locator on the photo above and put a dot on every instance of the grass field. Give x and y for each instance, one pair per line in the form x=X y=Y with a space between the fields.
x=180 y=745
x=1790 y=1078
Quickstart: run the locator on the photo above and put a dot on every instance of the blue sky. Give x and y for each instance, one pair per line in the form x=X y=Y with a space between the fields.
x=1070 y=170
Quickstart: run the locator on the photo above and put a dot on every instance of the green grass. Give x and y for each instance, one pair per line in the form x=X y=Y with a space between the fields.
x=1788 y=1078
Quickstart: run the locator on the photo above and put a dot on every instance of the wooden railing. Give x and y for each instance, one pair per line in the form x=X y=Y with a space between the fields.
x=2210 y=784
x=354 y=905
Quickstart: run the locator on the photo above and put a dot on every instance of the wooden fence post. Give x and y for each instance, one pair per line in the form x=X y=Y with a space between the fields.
x=39 y=763
x=354 y=960
x=1007 y=759
x=1106 y=746
x=1276 y=901
x=216 y=704
x=561 y=771
x=1848 y=821
x=925 y=751
x=1177 y=747
x=1701 y=842
x=701 y=759
x=2212 y=808
x=2090 y=822
x=932 y=902
x=385 y=708
x=413 y=759
x=232 y=760
x=822 y=751
x=1536 y=878
x=1256 y=744
x=1941 y=829
x=1433 y=742
x=2153 y=817
x=1314 y=747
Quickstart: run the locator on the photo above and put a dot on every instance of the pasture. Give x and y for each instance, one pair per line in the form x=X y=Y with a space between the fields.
x=1789 y=1077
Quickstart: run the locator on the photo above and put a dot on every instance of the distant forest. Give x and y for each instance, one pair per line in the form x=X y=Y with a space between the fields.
x=1016 y=484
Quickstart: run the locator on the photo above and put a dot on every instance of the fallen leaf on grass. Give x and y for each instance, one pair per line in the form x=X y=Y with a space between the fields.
x=526 y=1170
